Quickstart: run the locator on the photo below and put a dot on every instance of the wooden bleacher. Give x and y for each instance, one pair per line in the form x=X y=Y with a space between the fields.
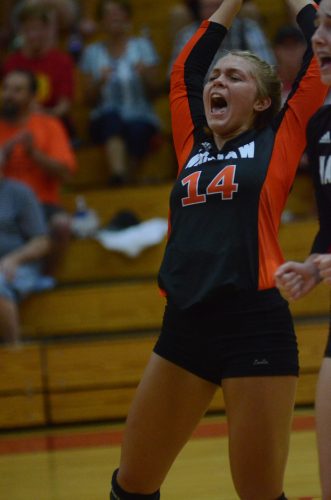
x=86 y=342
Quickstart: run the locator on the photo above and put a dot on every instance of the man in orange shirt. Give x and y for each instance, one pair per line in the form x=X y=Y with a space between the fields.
x=34 y=148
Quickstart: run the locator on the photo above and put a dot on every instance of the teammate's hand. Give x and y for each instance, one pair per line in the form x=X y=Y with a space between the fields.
x=323 y=263
x=295 y=279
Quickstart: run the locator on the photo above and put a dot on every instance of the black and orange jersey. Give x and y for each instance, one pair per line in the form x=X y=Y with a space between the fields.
x=319 y=154
x=226 y=205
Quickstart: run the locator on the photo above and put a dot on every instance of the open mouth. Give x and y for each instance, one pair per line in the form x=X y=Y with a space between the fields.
x=325 y=62
x=218 y=104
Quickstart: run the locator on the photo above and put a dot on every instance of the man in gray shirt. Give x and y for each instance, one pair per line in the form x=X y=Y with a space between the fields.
x=23 y=243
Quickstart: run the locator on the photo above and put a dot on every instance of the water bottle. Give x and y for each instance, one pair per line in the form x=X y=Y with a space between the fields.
x=85 y=220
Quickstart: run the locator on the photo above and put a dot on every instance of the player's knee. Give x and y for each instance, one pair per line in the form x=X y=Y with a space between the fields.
x=118 y=493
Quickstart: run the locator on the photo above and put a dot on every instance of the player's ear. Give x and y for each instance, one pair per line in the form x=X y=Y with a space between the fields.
x=262 y=104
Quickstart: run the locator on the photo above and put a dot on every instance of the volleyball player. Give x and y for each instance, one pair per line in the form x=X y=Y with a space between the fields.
x=297 y=279
x=225 y=323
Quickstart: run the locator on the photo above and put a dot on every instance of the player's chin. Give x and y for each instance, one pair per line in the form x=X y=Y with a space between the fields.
x=326 y=78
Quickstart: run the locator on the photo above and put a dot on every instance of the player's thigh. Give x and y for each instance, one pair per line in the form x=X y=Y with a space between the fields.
x=168 y=404
x=259 y=411
x=323 y=425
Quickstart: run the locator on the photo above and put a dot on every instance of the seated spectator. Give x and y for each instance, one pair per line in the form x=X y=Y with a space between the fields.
x=35 y=150
x=250 y=10
x=180 y=15
x=6 y=27
x=245 y=33
x=121 y=72
x=23 y=244
x=289 y=47
x=74 y=26
x=67 y=11
x=53 y=68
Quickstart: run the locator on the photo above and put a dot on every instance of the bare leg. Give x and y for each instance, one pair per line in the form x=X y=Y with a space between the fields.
x=117 y=157
x=323 y=426
x=259 y=411
x=9 y=321
x=167 y=407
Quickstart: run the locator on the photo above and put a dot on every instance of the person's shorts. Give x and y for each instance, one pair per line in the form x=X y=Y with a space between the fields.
x=249 y=335
x=28 y=279
x=136 y=134
x=50 y=210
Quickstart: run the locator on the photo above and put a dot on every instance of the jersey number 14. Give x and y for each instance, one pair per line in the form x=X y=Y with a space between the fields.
x=223 y=184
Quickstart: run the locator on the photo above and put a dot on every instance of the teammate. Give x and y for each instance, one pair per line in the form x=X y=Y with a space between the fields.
x=297 y=279
x=225 y=323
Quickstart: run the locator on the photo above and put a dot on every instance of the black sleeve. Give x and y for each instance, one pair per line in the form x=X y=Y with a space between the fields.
x=322 y=241
x=196 y=70
x=305 y=20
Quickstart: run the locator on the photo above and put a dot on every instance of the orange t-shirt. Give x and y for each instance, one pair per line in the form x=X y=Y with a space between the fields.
x=51 y=139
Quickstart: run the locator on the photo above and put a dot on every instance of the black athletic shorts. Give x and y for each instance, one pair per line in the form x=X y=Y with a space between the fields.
x=247 y=334
x=327 y=353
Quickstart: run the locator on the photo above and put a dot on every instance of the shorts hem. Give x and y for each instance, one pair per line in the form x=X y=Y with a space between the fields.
x=185 y=366
x=172 y=358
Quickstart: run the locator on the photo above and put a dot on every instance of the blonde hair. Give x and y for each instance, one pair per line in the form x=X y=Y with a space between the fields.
x=268 y=85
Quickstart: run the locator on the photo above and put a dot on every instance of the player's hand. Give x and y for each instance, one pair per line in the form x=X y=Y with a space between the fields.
x=323 y=263
x=295 y=279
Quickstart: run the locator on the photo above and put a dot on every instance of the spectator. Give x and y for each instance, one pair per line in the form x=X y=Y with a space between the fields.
x=35 y=150
x=66 y=11
x=251 y=11
x=53 y=68
x=23 y=243
x=183 y=13
x=180 y=15
x=73 y=25
x=120 y=74
x=245 y=33
x=289 y=47
x=6 y=28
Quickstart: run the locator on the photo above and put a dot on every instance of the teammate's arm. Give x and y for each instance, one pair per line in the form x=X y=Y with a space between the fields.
x=297 y=5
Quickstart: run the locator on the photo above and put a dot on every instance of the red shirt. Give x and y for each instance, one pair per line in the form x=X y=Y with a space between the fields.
x=50 y=138
x=54 y=71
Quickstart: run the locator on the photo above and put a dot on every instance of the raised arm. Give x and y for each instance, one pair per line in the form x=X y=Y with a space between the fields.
x=297 y=5
x=188 y=74
x=306 y=97
x=226 y=12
